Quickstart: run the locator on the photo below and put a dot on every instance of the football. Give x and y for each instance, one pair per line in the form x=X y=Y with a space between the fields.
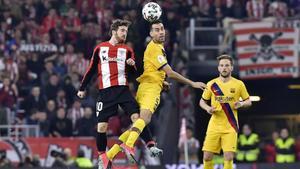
x=151 y=11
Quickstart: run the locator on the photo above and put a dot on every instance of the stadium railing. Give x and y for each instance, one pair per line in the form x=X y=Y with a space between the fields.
x=17 y=131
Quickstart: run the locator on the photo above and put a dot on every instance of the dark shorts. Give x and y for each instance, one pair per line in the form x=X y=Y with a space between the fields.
x=110 y=98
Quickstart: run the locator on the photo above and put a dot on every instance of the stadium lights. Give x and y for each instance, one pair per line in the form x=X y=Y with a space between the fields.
x=253 y=98
x=294 y=86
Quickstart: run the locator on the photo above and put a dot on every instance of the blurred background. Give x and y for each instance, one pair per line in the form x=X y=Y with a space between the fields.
x=45 y=47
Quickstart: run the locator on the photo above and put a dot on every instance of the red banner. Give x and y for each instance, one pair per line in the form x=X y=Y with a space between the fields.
x=18 y=149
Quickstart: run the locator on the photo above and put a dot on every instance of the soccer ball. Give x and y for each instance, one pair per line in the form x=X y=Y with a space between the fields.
x=151 y=11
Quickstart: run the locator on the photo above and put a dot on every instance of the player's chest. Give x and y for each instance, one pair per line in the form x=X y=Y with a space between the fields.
x=112 y=54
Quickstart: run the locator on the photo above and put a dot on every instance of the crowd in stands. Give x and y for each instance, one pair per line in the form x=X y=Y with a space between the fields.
x=45 y=47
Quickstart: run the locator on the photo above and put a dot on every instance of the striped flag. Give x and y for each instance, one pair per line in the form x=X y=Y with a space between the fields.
x=265 y=50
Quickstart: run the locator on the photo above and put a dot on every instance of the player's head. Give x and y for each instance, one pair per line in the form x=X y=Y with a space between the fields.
x=119 y=29
x=157 y=31
x=225 y=66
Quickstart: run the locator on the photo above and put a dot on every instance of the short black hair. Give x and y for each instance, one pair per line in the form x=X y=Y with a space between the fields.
x=154 y=22
x=225 y=56
x=118 y=22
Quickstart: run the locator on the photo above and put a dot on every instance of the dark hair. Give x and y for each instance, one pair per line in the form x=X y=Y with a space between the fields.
x=116 y=23
x=154 y=22
x=224 y=56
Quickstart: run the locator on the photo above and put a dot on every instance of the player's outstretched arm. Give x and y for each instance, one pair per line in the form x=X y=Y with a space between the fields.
x=203 y=104
x=178 y=77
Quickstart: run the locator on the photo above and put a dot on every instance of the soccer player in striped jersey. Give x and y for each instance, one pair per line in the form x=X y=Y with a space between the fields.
x=223 y=93
x=111 y=60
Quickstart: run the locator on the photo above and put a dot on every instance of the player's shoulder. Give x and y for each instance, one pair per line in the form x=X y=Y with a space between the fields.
x=153 y=46
x=102 y=44
x=125 y=46
x=237 y=81
x=209 y=83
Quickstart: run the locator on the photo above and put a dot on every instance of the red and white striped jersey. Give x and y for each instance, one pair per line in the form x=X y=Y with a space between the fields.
x=110 y=61
x=256 y=8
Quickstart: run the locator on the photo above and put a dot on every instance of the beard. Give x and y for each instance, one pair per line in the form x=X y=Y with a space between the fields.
x=225 y=74
x=120 y=39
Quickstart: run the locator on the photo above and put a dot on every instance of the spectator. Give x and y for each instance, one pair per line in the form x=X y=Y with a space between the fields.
x=51 y=89
x=61 y=100
x=256 y=9
x=193 y=147
x=285 y=147
x=72 y=26
x=50 y=21
x=269 y=148
x=75 y=112
x=83 y=162
x=86 y=126
x=34 y=101
x=60 y=126
x=217 y=11
x=51 y=109
x=278 y=9
x=248 y=149
x=8 y=93
x=68 y=156
x=45 y=75
x=237 y=10
x=69 y=89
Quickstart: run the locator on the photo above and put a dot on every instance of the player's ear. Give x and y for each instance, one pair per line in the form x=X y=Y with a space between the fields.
x=113 y=32
x=151 y=33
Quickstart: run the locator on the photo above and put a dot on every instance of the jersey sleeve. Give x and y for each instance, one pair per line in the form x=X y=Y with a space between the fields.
x=91 y=70
x=206 y=95
x=158 y=59
x=244 y=92
x=130 y=54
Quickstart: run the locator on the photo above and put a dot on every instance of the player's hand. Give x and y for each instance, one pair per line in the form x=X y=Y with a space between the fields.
x=130 y=62
x=166 y=86
x=211 y=110
x=238 y=105
x=81 y=94
x=199 y=85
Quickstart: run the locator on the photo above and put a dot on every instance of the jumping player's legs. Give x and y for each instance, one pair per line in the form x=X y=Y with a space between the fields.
x=106 y=107
x=148 y=98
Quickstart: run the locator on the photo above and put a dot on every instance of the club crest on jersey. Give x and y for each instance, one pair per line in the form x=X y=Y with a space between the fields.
x=161 y=59
x=232 y=90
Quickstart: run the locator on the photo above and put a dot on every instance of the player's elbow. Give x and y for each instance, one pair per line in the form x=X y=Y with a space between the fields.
x=170 y=73
x=202 y=104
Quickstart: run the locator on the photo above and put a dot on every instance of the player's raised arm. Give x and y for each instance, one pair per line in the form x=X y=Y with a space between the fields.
x=178 y=77
x=88 y=74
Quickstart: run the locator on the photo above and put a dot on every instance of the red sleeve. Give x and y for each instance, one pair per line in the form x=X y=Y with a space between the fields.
x=91 y=70
x=130 y=54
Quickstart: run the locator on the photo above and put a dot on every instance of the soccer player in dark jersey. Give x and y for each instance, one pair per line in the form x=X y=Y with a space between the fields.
x=111 y=60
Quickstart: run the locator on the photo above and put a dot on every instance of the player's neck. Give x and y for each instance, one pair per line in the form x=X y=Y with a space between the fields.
x=158 y=42
x=113 y=41
x=224 y=79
